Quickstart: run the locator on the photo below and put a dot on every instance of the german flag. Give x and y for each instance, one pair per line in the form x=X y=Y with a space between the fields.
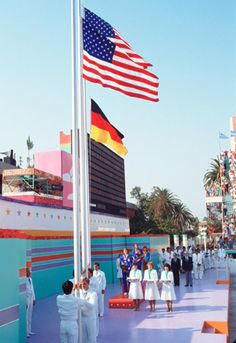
x=103 y=131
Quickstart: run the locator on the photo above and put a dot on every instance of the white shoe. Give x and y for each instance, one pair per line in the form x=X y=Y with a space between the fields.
x=101 y=315
x=125 y=293
x=32 y=333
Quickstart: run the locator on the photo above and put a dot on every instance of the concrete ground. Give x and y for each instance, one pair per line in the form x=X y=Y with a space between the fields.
x=204 y=301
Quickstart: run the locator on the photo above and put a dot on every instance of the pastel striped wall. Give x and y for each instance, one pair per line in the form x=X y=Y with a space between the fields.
x=51 y=261
x=12 y=299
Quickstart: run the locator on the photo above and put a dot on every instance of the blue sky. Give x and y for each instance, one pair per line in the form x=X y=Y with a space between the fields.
x=192 y=47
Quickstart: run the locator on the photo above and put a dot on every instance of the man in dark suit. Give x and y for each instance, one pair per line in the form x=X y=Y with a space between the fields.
x=187 y=265
x=175 y=267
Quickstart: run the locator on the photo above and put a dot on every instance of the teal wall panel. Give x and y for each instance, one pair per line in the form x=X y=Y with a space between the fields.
x=52 y=264
x=10 y=333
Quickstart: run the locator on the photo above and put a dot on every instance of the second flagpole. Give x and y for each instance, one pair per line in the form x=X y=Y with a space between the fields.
x=83 y=149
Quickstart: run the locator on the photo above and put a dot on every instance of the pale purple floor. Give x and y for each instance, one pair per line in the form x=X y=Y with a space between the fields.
x=205 y=301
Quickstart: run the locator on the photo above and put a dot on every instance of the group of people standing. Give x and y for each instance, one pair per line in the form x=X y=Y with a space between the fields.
x=193 y=261
x=137 y=268
x=85 y=299
x=141 y=281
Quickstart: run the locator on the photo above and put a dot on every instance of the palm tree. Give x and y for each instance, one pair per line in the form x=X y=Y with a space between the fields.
x=163 y=203
x=30 y=146
x=182 y=216
x=212 y=175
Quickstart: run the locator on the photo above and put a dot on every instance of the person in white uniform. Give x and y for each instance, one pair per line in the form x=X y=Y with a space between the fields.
x=168 y=292
x=151 y=289
x=88 y=312
x=100 y=276
x=163 y=256
x=118 y=269
x=169 y=255
x=135 y=289
x=68 y=309
x=93 y=287
x=221 y=255
x=197 y=265
x=30 y=302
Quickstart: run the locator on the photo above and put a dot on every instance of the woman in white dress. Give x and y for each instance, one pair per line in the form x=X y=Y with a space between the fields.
x=168 y=292
x=151 y=289
x=135 y=290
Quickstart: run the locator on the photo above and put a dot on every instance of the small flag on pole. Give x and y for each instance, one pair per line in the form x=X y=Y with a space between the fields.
x=65 y=142
x=103 y=131
x=105 y=63
x=105 y=29
x=222 y=136
x=233 y=133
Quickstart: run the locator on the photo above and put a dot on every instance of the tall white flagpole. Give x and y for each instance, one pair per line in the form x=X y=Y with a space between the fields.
x=83 y=148
x=75 y=154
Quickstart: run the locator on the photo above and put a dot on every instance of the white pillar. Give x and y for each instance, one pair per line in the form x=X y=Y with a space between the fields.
x=176 y=241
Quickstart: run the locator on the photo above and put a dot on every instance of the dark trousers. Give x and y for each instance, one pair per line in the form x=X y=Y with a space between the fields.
x=189 y=277
x=176 y=277
x=124 y=280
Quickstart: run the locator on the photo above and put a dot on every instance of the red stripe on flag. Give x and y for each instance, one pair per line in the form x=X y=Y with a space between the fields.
x=119 y=82
x=98 y=121
x=135 y=95
x=129 y=77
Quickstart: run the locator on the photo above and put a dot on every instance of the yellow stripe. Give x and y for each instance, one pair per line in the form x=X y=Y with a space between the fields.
x=103 y=136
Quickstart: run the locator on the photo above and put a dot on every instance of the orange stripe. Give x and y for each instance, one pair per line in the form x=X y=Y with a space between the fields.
x=22 y=272
x=51 y=257
x=64 y=138
x=28 y=264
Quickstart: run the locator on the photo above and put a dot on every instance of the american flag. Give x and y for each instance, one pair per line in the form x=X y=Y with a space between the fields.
x=111 y=33
x=105 y=63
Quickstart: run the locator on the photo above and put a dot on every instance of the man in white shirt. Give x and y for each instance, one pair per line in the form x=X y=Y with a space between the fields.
x=197 y=265
x=101 y=279
x=221 y=256
x=68 y=308
x=30 y=302
x=163 y=257
x=88 y=312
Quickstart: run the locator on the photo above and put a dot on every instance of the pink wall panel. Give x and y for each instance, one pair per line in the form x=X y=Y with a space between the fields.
x=49 y=162
x=67 y=179
x=58 y=163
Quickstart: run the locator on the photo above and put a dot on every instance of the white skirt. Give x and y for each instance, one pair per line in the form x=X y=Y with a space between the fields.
x=168 y=292
x=135 y=290
x=151 y=291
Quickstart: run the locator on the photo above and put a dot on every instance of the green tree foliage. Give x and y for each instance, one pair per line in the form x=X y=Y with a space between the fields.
x=212 y=175
x=160 y=212
x=30 y=146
